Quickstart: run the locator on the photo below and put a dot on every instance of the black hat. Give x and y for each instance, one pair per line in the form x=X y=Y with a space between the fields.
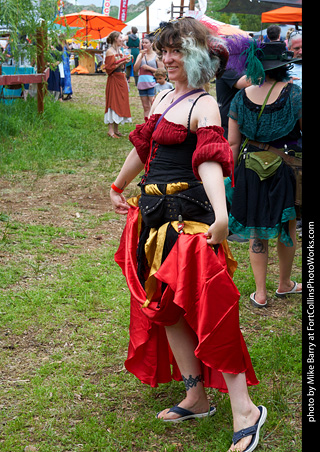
x=275 y=54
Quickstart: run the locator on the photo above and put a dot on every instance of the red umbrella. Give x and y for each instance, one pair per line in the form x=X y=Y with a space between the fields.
x=92 y=24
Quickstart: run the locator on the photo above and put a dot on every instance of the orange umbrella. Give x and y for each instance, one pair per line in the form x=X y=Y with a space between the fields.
x=93 y=25
x=230 y=30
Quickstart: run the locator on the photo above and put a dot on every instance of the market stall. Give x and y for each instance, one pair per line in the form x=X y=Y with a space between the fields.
x=284 y=15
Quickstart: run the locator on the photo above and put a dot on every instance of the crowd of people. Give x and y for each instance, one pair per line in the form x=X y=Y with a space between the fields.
x=208 y=169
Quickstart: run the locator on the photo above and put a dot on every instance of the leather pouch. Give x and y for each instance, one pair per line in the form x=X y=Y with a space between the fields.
x=263 y=163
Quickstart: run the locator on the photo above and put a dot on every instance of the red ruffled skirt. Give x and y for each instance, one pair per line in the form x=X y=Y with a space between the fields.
x=200 y=288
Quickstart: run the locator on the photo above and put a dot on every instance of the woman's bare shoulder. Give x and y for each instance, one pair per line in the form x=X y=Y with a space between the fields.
x=206 y=112
x=110 y=51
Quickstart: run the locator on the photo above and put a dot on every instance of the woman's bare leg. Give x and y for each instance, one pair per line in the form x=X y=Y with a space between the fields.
x=146 y=104
x=183 y=343
x=258 y=252
x=245 y=412
x=286 y=256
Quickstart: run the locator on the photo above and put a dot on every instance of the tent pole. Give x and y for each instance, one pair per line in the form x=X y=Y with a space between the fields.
x=181 y=7
x=148 y=26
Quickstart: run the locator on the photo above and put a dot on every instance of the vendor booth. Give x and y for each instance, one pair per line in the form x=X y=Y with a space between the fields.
x=284 y=15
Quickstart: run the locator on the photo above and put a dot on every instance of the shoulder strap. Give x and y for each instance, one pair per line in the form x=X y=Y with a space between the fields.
x=165 y=95
x=266 y=99
x=261 y=111
x=192 y=107
x=176 y=102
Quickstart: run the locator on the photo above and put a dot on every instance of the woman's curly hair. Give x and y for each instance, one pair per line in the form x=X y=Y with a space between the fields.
x=205 y=55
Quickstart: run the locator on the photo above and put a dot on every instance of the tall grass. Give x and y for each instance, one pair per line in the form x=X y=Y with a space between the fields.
x=30 y=142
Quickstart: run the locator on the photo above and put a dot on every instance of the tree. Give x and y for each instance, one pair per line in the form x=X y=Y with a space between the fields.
x=22 y=19
x=234 y=20
x=247 y=22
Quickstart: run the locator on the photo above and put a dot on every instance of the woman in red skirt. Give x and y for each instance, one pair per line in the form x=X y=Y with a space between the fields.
x=184 y=305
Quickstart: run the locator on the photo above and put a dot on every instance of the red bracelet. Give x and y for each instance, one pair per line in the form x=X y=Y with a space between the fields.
x=115 y=188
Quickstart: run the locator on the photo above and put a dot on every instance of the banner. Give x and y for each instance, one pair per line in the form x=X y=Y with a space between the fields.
x=105 y=7
x=60 y=5
x=123 y=10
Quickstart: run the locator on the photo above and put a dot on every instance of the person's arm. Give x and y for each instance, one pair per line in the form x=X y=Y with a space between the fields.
x=243 y=82
x=234 y=138
x=211 y=173
x=213 y=182
x=130 y=169
x=137 y=64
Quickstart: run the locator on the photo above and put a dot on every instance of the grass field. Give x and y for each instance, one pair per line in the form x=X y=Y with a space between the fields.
x=64 y=304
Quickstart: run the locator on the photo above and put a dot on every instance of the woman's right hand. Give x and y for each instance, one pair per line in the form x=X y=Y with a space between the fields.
x=217 y=232
x=119 y=203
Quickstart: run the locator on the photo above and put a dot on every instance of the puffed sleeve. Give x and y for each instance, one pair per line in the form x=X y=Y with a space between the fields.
x=110 y=64
x=141 y=137
x=211 y=145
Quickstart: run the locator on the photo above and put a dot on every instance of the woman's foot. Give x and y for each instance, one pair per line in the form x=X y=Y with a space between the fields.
x=112 y=135
x=201 y=406
x=290 y=288
x=258 y=301
x=244 y=421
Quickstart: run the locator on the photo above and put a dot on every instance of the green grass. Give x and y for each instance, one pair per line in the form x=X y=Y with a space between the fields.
x=62 y=141
x=64 y=306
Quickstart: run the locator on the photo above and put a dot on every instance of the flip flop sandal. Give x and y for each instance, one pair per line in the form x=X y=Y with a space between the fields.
x=252 y=431
x=255 y=303
x=113 y=135
x=186 y=414
x=292 y=291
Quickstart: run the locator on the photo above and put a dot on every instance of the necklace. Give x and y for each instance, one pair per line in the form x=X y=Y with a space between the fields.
x=116 y=49
x=184 y=92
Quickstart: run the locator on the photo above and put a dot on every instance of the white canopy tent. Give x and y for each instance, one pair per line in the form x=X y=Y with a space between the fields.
x=159 y=10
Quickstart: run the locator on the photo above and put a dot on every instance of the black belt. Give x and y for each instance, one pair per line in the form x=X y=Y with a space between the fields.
x=192 y=204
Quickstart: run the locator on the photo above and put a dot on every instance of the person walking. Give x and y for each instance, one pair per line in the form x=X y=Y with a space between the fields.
x=173 y=252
